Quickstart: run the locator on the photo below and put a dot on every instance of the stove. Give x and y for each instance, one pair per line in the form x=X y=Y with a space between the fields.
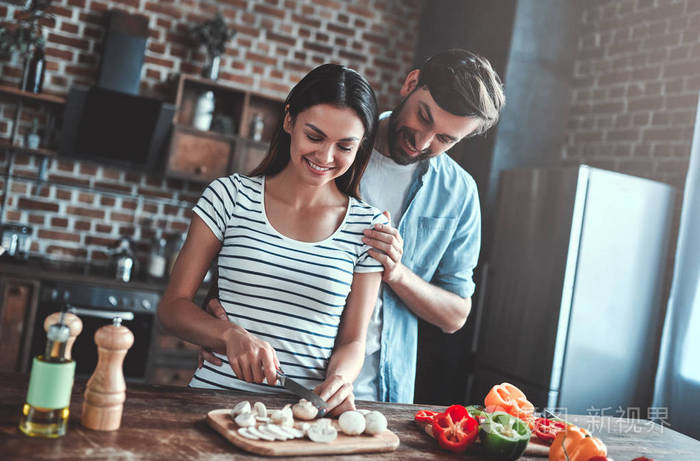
x=97 y=306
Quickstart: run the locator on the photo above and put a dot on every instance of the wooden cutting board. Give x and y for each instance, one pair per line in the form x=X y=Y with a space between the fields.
x=220 y=420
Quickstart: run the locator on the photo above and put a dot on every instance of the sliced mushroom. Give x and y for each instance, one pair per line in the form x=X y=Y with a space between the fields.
x=279 y=433
x=264 y=429
x=245 y=419
x=292 y=432
x=253 y=430
x=352 y=422
x=260 y=410
x=262 y=419
x=246 y=433
x=322 y=431
x=304 y=410
x=283 y=417
x=303 y=427
x=376 y=423
x=241 y=407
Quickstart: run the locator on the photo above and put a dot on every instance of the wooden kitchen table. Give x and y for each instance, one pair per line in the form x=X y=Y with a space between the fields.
x=162 y=422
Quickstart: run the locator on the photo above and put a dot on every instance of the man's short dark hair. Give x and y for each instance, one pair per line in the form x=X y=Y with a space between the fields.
x=464 y=83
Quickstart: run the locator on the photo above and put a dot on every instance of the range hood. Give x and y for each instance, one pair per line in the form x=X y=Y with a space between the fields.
x=110 y=122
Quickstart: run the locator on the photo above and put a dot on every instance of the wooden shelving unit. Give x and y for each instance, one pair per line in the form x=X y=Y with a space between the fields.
x=204 y=155
x=21 y=97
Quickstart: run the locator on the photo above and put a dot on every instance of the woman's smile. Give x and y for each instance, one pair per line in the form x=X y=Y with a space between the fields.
x=315 y=167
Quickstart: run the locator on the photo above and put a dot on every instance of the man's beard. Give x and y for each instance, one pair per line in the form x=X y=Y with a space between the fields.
x=395 y=133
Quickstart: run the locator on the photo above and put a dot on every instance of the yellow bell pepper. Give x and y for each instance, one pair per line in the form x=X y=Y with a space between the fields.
x=576 y=444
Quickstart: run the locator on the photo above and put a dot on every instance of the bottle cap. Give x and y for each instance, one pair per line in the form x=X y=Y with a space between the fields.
x=58 y=332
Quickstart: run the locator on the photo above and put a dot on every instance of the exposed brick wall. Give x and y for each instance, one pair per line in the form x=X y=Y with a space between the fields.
x=277 y=42
x=77 y=223
x=637 y=77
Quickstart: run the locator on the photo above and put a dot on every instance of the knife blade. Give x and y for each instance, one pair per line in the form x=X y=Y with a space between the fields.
x=300 y=391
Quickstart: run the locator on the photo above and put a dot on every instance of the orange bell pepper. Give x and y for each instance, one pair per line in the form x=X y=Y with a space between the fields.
x=508 y=398
x=576 y=444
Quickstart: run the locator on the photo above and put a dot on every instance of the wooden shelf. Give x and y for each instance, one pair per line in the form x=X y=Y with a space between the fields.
x=222 y=136
x=206 y=133
x=28 y=96
x=5 y=146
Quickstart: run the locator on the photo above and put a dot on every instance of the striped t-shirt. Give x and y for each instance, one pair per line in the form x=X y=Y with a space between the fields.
x=286 y=292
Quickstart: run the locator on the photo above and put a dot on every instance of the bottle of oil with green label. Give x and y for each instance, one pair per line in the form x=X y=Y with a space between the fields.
x=45 y=412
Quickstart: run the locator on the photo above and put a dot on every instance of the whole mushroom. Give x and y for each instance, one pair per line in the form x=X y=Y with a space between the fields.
x=352 y=422
x=376 y=423
x=304 y=410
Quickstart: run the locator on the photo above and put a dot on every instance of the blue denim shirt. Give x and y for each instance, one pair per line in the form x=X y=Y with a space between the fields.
x=441 y=229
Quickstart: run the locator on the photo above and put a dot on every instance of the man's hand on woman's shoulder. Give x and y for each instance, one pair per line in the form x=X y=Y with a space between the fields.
x=388 y=249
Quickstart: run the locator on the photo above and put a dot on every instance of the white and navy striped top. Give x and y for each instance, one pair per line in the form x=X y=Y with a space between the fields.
x=286 y=292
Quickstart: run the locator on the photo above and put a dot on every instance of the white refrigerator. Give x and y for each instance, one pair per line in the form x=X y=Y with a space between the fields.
x=573 y=294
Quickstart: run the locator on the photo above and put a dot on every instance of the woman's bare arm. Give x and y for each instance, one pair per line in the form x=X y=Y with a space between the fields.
x=349 y=353
x=251 y=358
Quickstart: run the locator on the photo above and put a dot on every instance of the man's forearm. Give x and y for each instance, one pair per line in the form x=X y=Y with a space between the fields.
x=433 y=304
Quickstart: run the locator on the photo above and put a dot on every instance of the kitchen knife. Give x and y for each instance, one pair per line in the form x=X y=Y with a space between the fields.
x=300 y=391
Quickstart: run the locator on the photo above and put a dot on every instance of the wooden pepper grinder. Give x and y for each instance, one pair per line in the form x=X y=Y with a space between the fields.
x=75 y=326
x=105 y=391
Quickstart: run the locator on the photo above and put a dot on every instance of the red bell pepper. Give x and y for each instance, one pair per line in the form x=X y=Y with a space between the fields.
x=425 y=416
x=546 y=429
x=454 y=429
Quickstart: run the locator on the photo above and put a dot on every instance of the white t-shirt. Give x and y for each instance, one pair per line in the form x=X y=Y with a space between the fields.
x=284 y=291
x=384 y=185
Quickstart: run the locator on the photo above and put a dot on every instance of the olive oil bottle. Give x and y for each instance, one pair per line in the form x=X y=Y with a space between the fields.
x=45 y=412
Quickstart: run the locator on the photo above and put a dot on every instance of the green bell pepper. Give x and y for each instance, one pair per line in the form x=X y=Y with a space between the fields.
x=503 y=436
x=477 y=412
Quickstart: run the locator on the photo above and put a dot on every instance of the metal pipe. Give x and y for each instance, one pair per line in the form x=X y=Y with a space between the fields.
x=6 y=188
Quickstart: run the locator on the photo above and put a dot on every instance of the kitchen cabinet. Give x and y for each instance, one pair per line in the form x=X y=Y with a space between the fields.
x=18 y=304
x=227 y=145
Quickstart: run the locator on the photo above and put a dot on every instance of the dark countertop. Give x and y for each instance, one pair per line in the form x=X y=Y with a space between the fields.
x=91 y=274
x=161 y=422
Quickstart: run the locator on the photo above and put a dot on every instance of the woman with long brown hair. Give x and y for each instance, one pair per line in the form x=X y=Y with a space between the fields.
x=294 y=276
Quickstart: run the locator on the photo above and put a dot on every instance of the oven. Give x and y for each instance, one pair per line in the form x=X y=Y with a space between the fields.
x=97 y=306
